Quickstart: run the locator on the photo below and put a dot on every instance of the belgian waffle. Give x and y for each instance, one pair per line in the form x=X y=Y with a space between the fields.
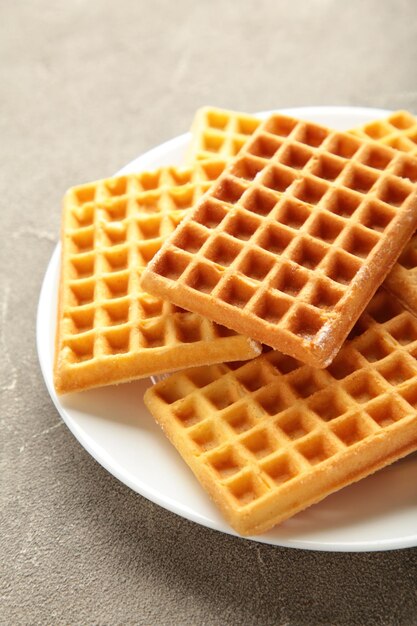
x=109 y=330
x=218 y=131
x=269 y=437
x=292 y=240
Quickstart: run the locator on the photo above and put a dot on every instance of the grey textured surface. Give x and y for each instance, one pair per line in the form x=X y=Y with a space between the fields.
x=85 y=87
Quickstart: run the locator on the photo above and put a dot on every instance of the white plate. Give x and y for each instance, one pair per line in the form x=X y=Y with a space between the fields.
x=113 y=425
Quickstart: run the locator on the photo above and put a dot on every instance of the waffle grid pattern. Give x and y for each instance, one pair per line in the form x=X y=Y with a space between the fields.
x=218 y=132
x=131 y=184
x=109 y=330
x=269 y=437
x=299 y=221
x=398 y=131
x=402 y=280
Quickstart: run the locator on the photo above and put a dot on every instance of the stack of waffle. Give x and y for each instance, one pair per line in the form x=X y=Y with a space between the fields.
x=277 y=272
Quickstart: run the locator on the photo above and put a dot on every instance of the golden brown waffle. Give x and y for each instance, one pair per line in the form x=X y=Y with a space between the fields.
x=269 y=437
x=219 y=133
x=398 y=130
x=216 y=131
x=110 y=330
x=293 y=239
x=131 y=184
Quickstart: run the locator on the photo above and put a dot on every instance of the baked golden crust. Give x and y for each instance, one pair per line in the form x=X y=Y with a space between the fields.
x=269 y=437
x=293 y=239
x=109 y=330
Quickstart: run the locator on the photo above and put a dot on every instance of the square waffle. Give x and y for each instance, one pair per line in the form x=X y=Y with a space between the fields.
x=292 y=240
x=109 y=330
x=269 y=437
x=218 y=131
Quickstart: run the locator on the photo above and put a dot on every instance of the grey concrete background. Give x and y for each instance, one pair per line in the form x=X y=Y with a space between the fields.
x=85 y=87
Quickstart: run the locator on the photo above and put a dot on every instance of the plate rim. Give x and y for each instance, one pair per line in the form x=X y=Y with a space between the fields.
x=111 y=465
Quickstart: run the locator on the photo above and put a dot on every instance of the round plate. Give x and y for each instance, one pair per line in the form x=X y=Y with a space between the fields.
x=113 y=425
